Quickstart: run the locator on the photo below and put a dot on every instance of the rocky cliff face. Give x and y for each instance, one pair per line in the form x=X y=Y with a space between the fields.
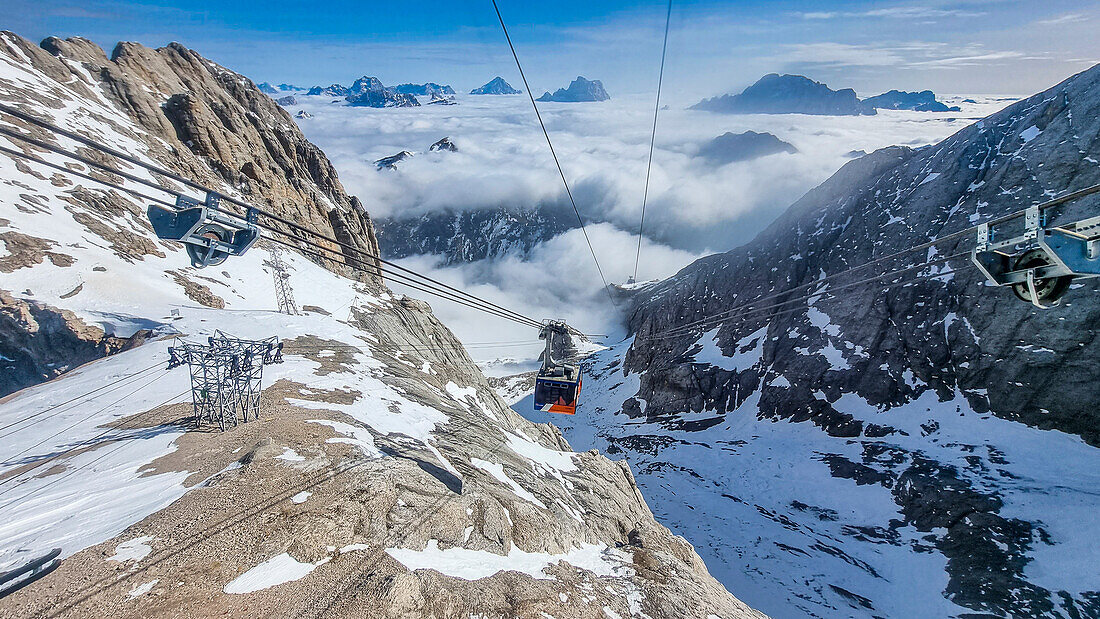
x=787 y=94
x=198 y=119
x=882 y=427
x=183 y=112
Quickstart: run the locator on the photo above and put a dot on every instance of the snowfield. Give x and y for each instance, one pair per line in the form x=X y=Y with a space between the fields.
x=759 y=502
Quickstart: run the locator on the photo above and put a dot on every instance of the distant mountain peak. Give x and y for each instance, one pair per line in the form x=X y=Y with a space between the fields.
x=369 y=91
x=335 y=90
x=787 y=94
x=580 y=90
x=496 y=86
x=390 y=163
x=444 y=144
x=424 y=90
x=730 y=147
x=923 y=101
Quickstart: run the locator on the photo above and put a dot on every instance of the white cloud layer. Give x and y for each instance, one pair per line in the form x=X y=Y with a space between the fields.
x=694 y=207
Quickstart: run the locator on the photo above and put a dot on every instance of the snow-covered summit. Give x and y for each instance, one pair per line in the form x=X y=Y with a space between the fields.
x=496 y=86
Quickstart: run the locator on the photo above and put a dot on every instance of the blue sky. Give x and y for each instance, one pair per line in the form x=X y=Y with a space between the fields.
x=971 y=46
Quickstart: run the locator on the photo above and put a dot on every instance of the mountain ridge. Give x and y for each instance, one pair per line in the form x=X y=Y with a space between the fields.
x=938 y=396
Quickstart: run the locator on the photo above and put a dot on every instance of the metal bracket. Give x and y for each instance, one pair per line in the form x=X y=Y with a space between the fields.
x=985 y=236
x=1031 y=289
x=1033 y=221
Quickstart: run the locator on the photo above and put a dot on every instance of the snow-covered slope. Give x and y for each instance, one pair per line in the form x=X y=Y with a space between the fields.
x=384 y=477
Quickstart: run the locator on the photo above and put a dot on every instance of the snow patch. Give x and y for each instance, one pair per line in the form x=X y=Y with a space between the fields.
x=477 y=564
x=275 y=571
x=497 y=471
x=140 y=590
x=133 y=550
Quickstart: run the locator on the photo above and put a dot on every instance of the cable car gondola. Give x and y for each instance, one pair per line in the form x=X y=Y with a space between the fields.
x=557 y=384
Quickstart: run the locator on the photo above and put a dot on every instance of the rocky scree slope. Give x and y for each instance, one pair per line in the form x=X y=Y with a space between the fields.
x=383 y=477
x=930 y=411
x=180 y=111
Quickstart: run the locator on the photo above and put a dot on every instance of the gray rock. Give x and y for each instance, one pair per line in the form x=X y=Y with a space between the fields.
x=213 y=126
x=287 y=100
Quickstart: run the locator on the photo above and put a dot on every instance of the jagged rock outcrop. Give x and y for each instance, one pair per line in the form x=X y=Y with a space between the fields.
x=267 y=88
x=579 y=90
x=303 y=114
x=39 y=342
x=923 y=101
x=787 y=94
x=730 y=147
x=370 y=92
x=496 y=86
x=915 y=377
x=202 y=121
x=287 y=100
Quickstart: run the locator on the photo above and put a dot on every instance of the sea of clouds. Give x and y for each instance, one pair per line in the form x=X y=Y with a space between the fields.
x=694 y=207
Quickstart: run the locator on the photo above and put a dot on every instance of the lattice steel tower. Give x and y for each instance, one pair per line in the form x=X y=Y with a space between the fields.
x=284 y=294
x=226 y=376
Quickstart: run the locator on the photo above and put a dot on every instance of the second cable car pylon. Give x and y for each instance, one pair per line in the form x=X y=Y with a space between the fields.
x=558 y=383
